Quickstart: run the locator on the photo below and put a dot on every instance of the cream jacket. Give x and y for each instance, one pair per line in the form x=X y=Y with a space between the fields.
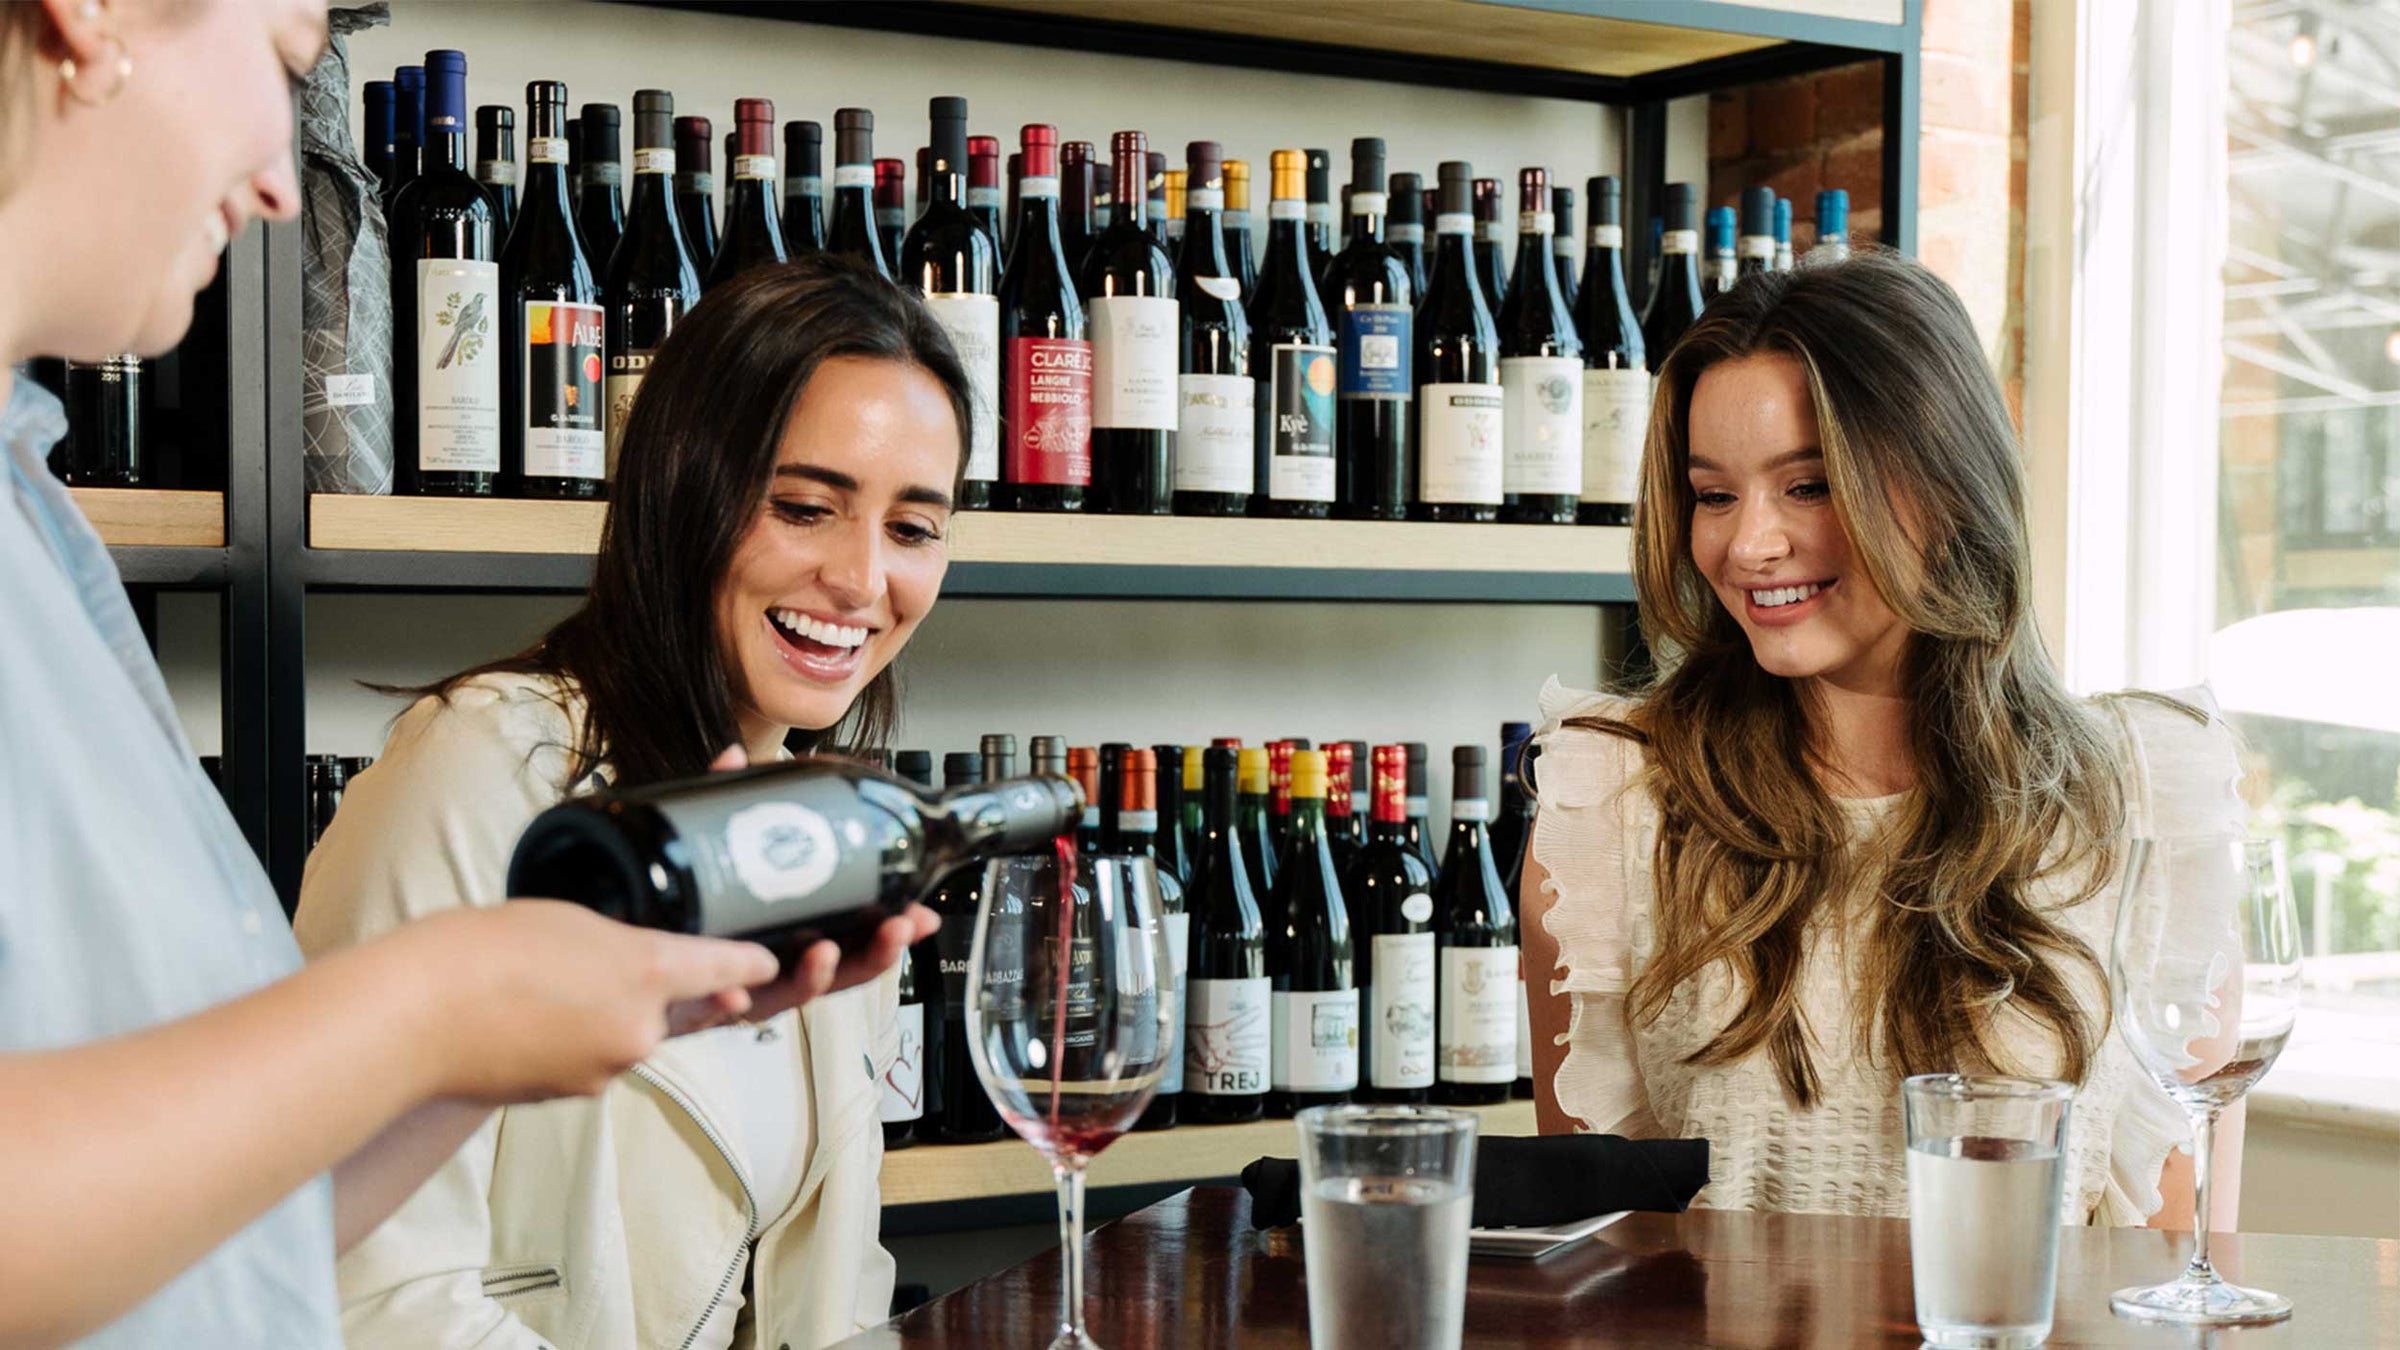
x=609 y=1223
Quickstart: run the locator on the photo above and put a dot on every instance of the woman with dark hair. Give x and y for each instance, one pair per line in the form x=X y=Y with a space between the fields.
x=1855 y=828
x=775 y=535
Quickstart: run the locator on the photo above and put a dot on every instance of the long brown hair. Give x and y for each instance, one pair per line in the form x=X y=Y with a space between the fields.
x=698 y=451
x=2015 y=781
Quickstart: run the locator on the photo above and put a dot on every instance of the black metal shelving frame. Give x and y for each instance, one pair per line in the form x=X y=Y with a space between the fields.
x=266 y=570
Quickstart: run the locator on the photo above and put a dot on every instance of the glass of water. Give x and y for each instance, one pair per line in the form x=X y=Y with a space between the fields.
x=1986 y=1178
x=1386 y=1196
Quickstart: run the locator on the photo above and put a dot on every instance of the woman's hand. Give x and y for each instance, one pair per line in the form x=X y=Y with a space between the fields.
x=536 y=999
x=821 y=969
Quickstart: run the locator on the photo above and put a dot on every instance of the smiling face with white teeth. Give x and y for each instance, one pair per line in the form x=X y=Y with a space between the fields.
x=848 y=548
x=1768 y=539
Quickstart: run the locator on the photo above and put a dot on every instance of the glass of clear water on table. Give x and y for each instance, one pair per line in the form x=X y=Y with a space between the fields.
x=1986 y=1179
x=1387 y=1194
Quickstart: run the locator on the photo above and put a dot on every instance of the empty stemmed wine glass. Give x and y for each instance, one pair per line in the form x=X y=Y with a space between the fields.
x=1070 y=1019
x=2206 y=976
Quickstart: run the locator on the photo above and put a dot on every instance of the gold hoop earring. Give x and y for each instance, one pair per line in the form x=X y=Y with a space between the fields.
x=70 y=72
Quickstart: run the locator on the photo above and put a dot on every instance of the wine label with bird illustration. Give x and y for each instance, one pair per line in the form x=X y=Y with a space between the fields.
x=458 y=366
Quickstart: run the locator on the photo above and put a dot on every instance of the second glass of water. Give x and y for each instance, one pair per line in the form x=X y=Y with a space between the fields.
x=1386 y=1198
x=1986 y=1179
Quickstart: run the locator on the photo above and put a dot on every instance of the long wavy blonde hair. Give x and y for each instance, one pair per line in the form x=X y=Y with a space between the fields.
x=2015 y=781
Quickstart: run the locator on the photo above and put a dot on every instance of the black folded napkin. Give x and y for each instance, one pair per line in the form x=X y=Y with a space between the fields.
x=1533 y=1182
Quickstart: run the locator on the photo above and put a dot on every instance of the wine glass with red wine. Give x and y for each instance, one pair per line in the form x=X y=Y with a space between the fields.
x=1070 y=1018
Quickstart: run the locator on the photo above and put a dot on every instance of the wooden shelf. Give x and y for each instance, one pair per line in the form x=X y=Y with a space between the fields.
x=1624 y=52
x=431 y=543
x=937 y=1173
x=1544 y=39
x=453 y=524
x=150 y=518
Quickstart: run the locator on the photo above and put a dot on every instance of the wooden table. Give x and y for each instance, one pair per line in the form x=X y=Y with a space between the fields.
x=1190 y=1271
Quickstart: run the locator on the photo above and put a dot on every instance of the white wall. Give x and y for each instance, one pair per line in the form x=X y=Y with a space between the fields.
x=1444 y=674
x=604 y=52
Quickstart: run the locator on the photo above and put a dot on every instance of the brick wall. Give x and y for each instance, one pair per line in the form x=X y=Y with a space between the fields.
x=1826 y=131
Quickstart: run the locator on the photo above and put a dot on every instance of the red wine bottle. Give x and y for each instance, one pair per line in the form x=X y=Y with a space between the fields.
x=949 y=259
x=1675 y=301
x=1144 y=808
x=380 y=103
x=1292 y=359
x=651 y=282
x=408 y=125
x=803 y=188
x=1016 y=183
x=1390 y=890
x=1083 y=765
x=1075 y=183
x=446 y=316
x=853 y=231
x=1320 y=206
x=957 y=1111
x=1154 y=209
x=1420 y=834
x=753 y=236
x=1475 y=942
x=1541 y=375
x=1228 y=1004
x=1315 y=990
x=696 y=189
x=983 y=189
x=1216 y=421
x=1128 y=288
x=1722 y=269
x=496 y=163
x=600 y=199
x=902 y=1097
x=1373 y=302
x=1460 y=423
x=1491 y=271
x=1177 y=186
x=1341 y=832
x=1756 y=252
x=891 y=208
x=1045 y=352
x=1512 y=837
x=1254 y=818
x=553 y=333
x=1564 y=242
x=1616 y=378
x=1406 y=232
x=1240 y=248
x=574 y=163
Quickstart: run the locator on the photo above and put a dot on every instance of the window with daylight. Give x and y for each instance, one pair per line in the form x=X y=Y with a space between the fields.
x=2305 y=648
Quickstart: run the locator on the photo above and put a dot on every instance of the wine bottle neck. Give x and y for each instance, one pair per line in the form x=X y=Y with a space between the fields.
x=447 y=147
x=1366 y=217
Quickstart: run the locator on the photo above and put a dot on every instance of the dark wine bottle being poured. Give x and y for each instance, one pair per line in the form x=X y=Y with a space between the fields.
x=806 y=849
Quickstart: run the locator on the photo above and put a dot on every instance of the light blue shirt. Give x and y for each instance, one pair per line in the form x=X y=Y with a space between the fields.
x=128 y=897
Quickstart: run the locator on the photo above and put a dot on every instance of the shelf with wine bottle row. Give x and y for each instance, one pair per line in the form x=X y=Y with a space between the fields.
x=1324 y=949
x=431 y=542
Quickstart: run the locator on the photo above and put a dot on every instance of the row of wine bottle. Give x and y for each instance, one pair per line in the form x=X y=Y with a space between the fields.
x=1376 y=382
x=1324 y=950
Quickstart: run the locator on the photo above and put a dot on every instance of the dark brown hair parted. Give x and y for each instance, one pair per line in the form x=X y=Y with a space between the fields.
x=2015 y=780
x=697 y=455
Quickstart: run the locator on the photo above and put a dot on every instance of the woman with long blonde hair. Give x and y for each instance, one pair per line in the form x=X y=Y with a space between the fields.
x=1854 y=828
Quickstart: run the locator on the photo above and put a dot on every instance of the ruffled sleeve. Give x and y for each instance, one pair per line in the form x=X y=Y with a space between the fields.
x=1584 y=839
x=2182 y=771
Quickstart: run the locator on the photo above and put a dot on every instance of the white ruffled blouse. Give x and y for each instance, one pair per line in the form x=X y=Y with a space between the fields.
x=1595 y=836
